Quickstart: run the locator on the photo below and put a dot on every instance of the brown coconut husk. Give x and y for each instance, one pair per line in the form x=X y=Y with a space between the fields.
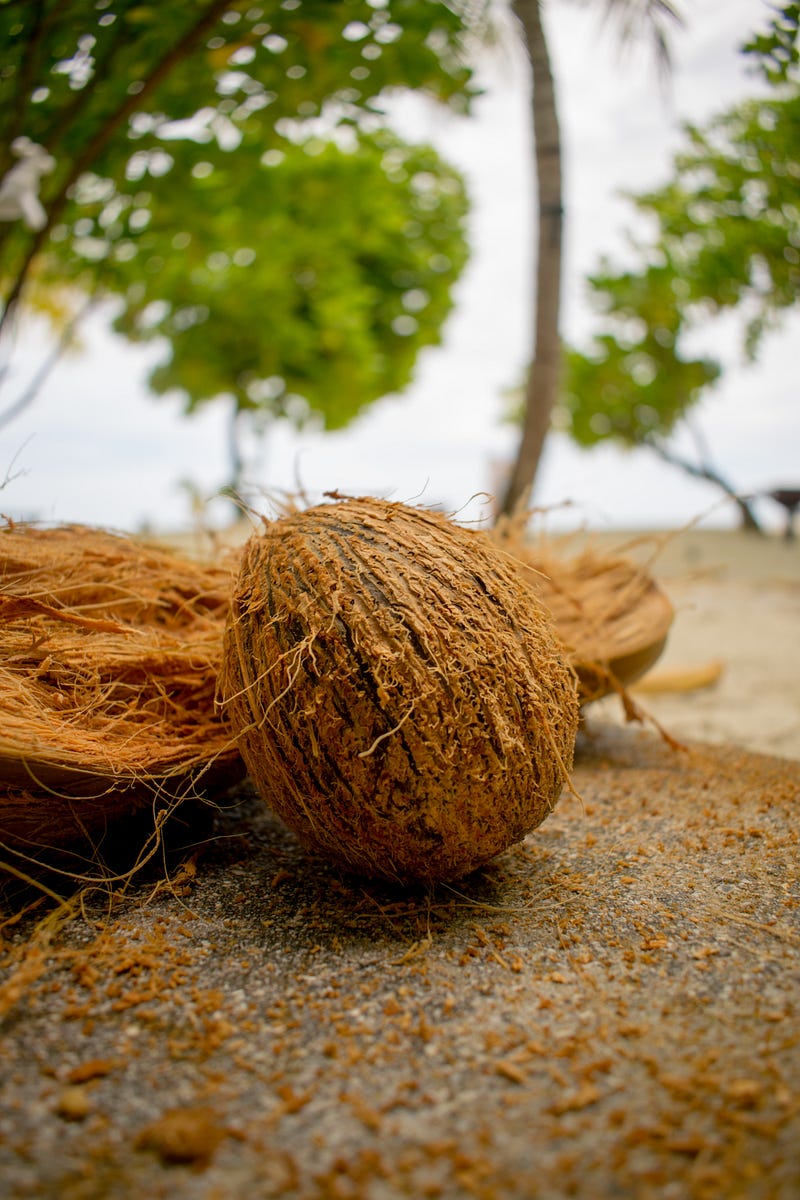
x=610 y=613
x=400 y=698
x=109 y=654
x=110 y=649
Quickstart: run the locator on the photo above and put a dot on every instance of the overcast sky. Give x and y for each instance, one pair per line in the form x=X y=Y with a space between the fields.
x=96 y=447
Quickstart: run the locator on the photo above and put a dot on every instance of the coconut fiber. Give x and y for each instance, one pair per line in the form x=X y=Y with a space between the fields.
x=610 y=614
x=378 y=641
x=399 y=695
x=109 y=654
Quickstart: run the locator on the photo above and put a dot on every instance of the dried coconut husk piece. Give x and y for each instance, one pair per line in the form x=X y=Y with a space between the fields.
x=398 y=698
x=609 y=612
x=109 y=654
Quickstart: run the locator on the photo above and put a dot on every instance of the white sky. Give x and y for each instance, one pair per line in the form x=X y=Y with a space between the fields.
x=96 y=447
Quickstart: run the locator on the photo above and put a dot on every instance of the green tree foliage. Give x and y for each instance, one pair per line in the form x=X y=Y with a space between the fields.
x=307 y=283
x=726 y=237
x=224 y=171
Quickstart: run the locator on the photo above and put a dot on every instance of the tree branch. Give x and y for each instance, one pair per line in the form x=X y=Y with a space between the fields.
x=40 y=378
x=174 y=55
x=18 y=103
x=710 y=475
x=102 y=70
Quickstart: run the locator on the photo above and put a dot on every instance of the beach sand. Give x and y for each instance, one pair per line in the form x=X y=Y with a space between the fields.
x=737 y=622
x=608 y=1011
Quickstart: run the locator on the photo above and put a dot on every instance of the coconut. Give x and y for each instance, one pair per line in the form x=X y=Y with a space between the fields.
x=398 y=696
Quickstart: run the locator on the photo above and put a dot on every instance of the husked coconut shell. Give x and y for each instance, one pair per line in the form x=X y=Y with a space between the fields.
x=610 y=614
x=397 y=696
x=109 y=654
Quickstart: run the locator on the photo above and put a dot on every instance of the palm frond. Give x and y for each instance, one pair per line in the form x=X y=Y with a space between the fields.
x=653 y=19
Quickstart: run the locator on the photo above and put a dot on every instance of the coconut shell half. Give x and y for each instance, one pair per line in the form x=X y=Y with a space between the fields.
x=611 y=615
x=397 y=696
x=109 y=654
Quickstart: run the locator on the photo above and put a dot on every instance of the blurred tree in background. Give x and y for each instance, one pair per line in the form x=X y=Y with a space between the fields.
x=541 y=388
x=225 y=173
x=726 y=236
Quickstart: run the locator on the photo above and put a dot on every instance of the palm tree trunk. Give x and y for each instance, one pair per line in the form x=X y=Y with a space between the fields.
x=236 y=463
x=542 y=383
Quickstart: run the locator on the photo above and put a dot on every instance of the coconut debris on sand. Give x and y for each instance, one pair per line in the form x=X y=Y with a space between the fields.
x=731 y=670
x=609 y=1009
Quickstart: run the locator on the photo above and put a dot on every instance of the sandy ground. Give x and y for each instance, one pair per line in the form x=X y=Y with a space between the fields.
x=736 y=630
x=608 y=1011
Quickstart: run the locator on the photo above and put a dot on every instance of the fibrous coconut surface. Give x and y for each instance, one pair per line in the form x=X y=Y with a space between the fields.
x=398 y=694
x=109 y=653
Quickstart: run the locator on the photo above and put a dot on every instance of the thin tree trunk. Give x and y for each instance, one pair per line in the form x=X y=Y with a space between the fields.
x=29 y=394
x=17 y=104
x=542 y=383
x=705 y=471
x=236 y=461
x=23 y=80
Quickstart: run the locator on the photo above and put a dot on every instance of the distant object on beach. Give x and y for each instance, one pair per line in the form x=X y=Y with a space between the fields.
x=790 y=499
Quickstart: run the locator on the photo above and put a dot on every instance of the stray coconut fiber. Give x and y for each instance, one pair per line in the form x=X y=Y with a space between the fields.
x=399 y=696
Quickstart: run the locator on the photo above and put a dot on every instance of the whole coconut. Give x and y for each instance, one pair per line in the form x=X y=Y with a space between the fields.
x=398 y=697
